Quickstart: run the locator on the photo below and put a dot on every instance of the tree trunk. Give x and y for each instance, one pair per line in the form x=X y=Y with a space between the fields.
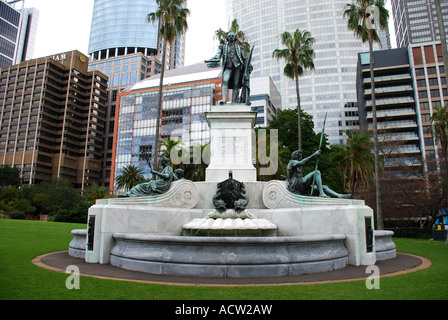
x=159 y=111
x=445 y=63
x=379 y=214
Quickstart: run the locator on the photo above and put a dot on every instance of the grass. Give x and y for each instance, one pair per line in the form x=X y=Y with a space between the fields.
x=21 y=241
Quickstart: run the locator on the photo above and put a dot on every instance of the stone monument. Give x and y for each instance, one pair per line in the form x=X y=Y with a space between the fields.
x=232 y=225
x=231 y=123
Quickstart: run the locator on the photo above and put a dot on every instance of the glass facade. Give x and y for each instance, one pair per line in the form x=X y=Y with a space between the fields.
x=183 y=118
x=331 y=87
x=9 y=28
x=122 y=24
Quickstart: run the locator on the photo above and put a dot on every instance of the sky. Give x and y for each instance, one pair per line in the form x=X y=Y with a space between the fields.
x=65 y=25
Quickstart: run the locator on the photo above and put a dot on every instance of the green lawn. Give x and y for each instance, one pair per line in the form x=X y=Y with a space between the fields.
x=21 y=241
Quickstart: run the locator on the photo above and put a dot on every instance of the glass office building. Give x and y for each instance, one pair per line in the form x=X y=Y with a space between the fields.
x=120 y=27
x=188 y=93
x=17 y=32
x=9 y=29
x=331 y=87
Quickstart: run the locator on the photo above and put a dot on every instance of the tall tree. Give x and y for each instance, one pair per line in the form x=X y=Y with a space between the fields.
x=171 y=16
x=364 y=18
x=241 y=38
x=299 y=56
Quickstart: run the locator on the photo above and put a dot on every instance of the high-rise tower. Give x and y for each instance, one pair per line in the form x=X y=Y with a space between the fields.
x=17 y=32
x=416 y=21
x=417 y=28
x=120 y=27
x=331 y=87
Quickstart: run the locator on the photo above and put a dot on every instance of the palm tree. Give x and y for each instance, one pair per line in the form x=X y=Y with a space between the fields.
x=299 y=55
x=359 y=20
x=129 y=177
x=171 y=16
x=356 y=161
x=241 y=38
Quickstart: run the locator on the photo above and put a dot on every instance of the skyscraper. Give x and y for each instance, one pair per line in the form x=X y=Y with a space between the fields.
x=415 y=21
x=398 y=130
x=120 y=27
x=27 y=37
x=331 y=87
x=52 y=119
x=417 y=28
x=17 y=33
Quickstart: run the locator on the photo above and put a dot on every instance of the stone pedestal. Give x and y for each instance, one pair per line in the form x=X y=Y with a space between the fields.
x=231 y=145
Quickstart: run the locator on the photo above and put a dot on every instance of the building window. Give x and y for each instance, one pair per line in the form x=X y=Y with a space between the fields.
x=145 y=152
x=110 y=142
x=424 y=106
x=111 y=126
x=365 y=58
x=116 y=81
x=114 y=95
x=419 y=72
x=432 y=70
x=133 y=77
x=422 y=94
x=112 y=111
x=435 y=93
x=124 y=79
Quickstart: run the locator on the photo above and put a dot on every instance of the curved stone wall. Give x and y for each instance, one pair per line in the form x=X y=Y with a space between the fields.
x=233 y=257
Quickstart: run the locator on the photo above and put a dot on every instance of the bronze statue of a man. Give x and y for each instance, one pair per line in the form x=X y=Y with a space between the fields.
x=236 y=68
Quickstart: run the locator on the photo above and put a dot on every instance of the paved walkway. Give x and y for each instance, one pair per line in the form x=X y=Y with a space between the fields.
x=403 y=263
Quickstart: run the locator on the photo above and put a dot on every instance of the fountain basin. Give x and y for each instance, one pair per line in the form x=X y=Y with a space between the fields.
x=232 y=257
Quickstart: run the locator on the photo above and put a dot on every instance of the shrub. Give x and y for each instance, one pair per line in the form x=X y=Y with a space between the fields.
x=20 y=215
